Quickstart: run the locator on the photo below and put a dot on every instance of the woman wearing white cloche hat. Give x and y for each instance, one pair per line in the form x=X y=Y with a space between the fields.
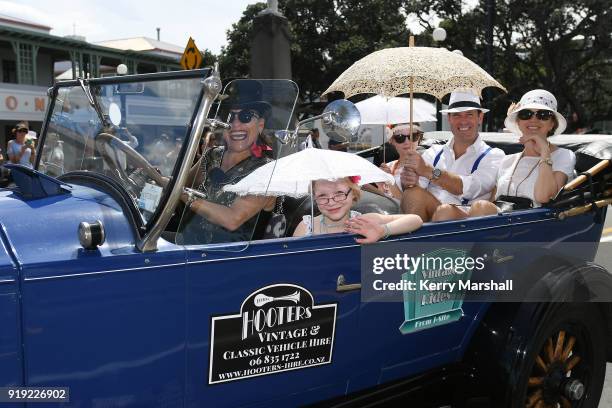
x=541 y=169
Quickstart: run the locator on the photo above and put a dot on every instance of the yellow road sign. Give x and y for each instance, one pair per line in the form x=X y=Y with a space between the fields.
x=191 y=58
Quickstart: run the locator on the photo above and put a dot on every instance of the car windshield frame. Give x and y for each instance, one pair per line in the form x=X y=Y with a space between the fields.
x=143 y=226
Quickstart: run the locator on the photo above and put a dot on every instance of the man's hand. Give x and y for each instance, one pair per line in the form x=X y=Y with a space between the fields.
x=415 y=162
x=408 y=178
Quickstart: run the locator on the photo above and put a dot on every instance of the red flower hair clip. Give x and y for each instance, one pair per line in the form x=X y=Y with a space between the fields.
x=258 y=149
x=355 y=179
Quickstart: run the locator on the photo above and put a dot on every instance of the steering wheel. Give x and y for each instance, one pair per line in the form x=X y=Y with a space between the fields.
x=108 y=145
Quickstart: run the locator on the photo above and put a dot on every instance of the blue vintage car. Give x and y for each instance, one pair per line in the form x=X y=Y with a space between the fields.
x=100 y=294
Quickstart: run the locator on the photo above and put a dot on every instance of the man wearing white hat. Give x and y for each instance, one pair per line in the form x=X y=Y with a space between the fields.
x=442 y=183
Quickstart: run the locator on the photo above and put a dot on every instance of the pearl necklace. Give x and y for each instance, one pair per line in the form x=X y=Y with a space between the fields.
x=325 y=227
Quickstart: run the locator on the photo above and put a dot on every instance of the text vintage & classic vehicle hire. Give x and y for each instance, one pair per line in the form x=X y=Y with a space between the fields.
x=101 y=293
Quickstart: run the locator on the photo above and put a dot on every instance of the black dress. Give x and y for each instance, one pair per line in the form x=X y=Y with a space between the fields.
x=199 y=230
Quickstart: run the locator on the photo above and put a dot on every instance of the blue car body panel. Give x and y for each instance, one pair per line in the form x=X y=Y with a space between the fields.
x=93 y=319
x=11 y=358
x=122 y=327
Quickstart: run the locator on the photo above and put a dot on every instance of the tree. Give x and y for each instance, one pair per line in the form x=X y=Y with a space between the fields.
x=327 y=38
x=208 y=58
x=562 y=46
x=234 y=59
x=333 y=35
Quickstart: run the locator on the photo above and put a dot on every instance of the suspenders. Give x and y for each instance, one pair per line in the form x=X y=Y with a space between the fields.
x=465 y=201
x=437 y=159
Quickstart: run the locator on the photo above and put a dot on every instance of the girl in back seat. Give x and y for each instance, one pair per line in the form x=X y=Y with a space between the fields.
x=334 y=200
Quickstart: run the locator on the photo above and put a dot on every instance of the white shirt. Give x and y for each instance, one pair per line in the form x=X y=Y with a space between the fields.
x=522 y=183
x=14 y=149
x=396 y=173
x=477 y=185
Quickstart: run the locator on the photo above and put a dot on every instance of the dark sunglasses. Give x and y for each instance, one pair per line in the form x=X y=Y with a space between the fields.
x=401 y=138
x=527 y=114
x=244 y=116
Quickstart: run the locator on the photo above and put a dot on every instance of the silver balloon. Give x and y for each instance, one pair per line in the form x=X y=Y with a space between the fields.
x=341 y=120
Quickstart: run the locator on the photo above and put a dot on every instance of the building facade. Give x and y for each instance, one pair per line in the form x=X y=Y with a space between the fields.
x=30 y=57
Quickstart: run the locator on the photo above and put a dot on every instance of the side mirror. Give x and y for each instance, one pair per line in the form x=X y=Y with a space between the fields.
x=341 y=120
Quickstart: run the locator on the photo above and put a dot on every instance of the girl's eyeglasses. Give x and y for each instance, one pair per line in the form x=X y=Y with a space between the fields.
x=338 y=197
x=527 y=114
x=244 y=116
x=401 y=138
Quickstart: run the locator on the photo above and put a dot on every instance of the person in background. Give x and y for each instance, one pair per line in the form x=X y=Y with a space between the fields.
x=541 y=169
x=21 y=150
x=314 y=135
x=335 y=199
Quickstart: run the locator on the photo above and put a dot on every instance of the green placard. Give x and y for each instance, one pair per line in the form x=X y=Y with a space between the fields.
x=426 y=308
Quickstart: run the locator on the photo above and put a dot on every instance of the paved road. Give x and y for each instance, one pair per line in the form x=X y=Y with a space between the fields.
x=606 y=397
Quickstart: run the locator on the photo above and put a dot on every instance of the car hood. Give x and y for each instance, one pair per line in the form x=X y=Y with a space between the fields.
x=46 y=229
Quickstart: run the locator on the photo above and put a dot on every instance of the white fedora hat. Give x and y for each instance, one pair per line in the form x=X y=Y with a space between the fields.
x=538 y=99
x=461 y=101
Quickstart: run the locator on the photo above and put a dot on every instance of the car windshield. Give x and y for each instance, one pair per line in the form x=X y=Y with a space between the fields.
x=131 y=132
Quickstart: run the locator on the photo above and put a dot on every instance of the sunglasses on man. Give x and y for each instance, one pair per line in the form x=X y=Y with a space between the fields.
x=244 y=116
x=401 y=137
x=526 y=114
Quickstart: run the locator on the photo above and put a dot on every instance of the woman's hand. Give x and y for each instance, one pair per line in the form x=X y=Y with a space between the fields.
x=371 y=230
x=540 y=144
x=409 y=178
x=386 y=168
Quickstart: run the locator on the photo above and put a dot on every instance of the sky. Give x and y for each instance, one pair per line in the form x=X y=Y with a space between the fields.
x=205 y=20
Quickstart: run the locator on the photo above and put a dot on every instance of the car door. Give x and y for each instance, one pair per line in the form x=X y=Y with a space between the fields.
x=421 y=329
x=266 y=324
x=107 y=323
x=10 y=337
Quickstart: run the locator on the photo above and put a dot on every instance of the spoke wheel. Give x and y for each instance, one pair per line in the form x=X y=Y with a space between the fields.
x=569 y=367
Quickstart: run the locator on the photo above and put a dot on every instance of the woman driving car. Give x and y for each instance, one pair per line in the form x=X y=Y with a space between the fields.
x=223 y=216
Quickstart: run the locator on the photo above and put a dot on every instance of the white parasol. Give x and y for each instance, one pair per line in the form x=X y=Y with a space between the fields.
x=402 y=70
x=292 y=174
x=395 y=71
x=380 y=110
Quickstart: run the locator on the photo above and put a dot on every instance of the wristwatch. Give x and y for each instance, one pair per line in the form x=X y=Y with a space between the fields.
x=436 y=173
x=547 y=160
